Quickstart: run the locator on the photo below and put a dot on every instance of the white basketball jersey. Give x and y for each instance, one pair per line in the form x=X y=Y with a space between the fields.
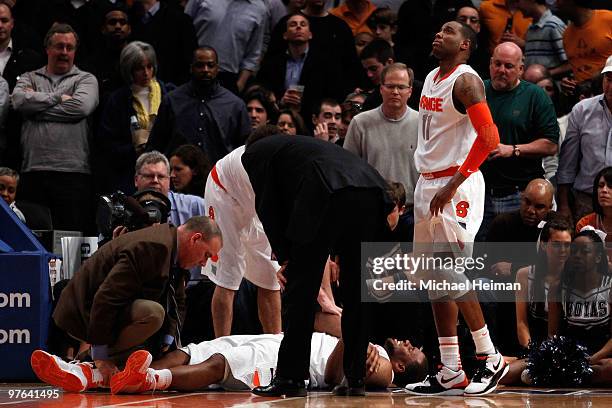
x=445 y=134
x=236 y=181
x=321 y=347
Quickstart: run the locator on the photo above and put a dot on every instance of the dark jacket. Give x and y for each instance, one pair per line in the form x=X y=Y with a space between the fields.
x=216 y=120
x=113 y=154
x=294 y=179
x=320 y=77
x=85 y=20
x=136 y=265
x=334 y=37
x=417 y=24
x=171 y=33
x=22 y=60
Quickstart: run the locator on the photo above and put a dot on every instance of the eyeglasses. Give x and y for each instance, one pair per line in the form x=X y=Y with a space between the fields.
x=152 y=176
x=399 y=88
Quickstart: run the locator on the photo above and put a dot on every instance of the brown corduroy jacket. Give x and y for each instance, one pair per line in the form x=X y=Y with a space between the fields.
x=95 y=305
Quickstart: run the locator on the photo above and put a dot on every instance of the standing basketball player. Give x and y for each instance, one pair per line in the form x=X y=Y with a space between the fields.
x=456 y=134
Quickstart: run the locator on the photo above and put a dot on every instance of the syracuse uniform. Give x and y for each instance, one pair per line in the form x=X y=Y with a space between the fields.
x=246 y=251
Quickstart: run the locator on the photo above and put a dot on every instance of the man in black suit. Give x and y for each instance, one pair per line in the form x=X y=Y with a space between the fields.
x=302 y=63
x=15 y=59
x=306 y=195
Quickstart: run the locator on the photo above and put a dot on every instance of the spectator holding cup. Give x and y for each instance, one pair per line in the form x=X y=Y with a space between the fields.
x=301 y=74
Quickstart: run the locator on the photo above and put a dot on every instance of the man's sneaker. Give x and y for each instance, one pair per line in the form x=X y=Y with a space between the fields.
x=492 y=369
x=445 y=382
x=136 y=377
x=72 y=377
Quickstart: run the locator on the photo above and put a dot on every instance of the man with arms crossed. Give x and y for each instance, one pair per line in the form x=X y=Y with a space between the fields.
x=456 y=134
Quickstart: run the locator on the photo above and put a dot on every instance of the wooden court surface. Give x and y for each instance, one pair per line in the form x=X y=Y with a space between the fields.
x=503 y=397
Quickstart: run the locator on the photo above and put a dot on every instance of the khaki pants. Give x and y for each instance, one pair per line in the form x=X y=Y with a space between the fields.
x=144 y=319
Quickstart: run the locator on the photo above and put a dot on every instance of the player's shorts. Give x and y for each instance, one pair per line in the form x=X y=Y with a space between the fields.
x=250 y=359
x=246 y=251
x=455 y=228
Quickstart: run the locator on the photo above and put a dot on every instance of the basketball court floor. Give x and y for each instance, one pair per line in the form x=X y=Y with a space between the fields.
x=503 y=397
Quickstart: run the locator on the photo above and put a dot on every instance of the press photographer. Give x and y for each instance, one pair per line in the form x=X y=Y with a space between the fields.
x=153 y=173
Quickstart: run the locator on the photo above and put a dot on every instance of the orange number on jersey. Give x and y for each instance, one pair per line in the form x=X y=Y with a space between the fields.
x=461 y=209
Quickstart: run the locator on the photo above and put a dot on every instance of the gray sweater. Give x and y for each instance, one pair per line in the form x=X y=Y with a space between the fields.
x=55 y=134
x=387 y=145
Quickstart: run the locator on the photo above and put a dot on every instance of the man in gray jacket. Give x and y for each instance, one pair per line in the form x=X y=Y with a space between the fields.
x=56 y=101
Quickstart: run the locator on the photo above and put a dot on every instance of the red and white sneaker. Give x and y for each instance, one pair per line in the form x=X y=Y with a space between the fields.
x=445 y=382
x=136 y=377
x=72 y=377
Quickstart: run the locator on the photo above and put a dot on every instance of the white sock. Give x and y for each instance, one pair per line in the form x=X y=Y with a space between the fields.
x=96 y=379
x=483 y=342
x=163 y=377
x=449 y=352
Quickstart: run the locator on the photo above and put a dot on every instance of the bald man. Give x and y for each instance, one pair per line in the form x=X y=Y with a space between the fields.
x=521 y=225
x=534 y=73
x=528 y=131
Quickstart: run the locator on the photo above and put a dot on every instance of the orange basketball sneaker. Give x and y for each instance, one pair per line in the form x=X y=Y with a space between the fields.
x=136 y=376
x=72 y=377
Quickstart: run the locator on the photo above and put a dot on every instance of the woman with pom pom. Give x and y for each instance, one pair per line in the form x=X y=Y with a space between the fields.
x=579 y=309
x=536 y=280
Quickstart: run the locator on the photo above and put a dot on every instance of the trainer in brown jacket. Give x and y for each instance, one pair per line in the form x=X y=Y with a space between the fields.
x=128 y=290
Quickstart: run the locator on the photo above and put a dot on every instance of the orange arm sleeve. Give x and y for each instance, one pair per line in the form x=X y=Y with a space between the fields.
x=487 y=137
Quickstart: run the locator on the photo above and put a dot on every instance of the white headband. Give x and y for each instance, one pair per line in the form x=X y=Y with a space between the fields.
x=600 y=233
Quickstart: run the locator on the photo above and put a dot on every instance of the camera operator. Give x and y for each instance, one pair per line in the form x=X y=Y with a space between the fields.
x=153 y=173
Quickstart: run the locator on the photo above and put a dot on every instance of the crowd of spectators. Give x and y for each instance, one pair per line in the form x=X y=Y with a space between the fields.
x=100 y=95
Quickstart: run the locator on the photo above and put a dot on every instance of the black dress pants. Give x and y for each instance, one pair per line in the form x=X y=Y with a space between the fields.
x=354 y=216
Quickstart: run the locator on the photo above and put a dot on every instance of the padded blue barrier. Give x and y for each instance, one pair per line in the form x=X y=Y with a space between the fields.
x=25 y=296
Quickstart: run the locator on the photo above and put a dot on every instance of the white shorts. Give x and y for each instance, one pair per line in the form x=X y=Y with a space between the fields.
x=246 y=251
x=455 y=228
x=251 y=359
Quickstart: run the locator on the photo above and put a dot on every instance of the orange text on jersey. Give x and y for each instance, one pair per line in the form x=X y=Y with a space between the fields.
x=431 y=104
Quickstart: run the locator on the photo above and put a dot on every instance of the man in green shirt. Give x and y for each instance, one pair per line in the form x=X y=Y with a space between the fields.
x=528 y=131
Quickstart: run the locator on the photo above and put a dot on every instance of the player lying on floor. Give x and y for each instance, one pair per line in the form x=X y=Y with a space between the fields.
x=238 y=363
x=246 y=361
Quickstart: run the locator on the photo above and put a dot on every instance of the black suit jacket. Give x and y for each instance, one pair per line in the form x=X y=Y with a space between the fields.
x=294 y=179
x=173 y=36
x=320 y=77
x=22 y=60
